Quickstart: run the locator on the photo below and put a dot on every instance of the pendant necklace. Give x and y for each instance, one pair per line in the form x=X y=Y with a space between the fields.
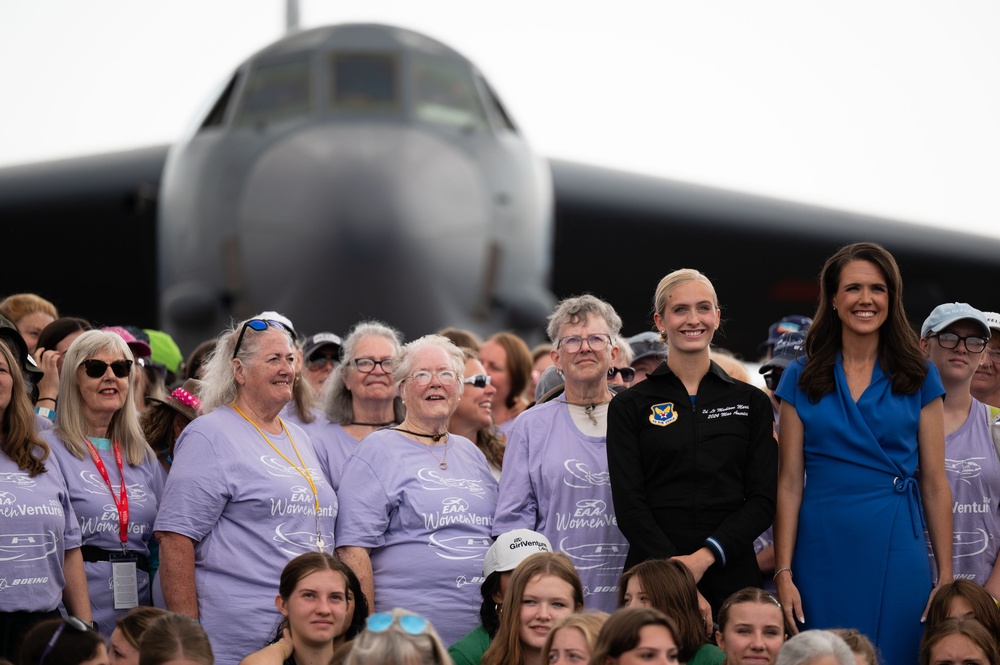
x=588 y=407
x=303 y=470
x=443 y=462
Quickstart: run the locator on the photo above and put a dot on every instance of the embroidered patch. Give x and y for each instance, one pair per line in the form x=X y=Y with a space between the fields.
x=662 y=414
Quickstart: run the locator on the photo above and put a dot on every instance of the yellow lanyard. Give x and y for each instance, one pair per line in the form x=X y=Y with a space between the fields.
x=303 y=470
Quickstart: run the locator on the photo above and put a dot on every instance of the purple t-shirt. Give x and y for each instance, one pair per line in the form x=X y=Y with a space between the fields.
x=98 y=517
x=37 y=525
x=428 y=529
x=332 y=443
x=555 y=480
x=974 y=476
x=249 y=512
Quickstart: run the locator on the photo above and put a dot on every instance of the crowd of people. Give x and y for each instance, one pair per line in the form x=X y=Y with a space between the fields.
x=278 y=499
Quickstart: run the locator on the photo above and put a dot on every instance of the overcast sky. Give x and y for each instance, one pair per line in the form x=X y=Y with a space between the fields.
x=885 y=107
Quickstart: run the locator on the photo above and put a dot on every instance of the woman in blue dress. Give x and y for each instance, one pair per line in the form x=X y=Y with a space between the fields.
x=857 y=421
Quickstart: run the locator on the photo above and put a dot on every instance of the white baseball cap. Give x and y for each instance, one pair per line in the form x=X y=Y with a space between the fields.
x=512 y=548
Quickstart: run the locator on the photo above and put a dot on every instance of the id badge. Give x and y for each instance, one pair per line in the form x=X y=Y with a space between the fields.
x=124 y=585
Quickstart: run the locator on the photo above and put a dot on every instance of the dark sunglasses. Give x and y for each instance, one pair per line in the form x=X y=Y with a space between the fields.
x=627 y=373
x=71 y=621
x=479 y=380
x=95 y=368
x=319 y=361
x=260 y=325
x=414 y=624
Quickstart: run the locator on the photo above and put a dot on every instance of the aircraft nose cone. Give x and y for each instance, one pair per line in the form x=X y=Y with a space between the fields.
x=401 y=209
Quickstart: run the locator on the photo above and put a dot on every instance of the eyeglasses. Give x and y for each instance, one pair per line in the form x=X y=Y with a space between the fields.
x=414 y=624
x=627 y=373
x=423 y=377
x=772 y=378
x=260 y=325
x=71 y=621
x=973 y=343
x=993 y=355
x=319 y=361
x=597 y=342
x=95 y=368
x=479 y=380
x=367 y=365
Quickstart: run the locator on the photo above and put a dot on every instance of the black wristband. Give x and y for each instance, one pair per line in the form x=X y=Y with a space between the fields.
x=46 y=399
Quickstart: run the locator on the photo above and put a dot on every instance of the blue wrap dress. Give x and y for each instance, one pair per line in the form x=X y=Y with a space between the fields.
x=860 y=557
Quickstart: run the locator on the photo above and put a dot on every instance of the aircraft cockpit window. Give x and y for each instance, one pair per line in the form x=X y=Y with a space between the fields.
x=276 y=92
x=444 y=93
x=363 y=82
x=494 y=102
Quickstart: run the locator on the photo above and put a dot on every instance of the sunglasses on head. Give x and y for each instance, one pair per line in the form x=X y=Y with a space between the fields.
x=260 y=325
x=71 y=621
x=627 y=373
x=414 y=624
x=479 y=380
x=95 y=368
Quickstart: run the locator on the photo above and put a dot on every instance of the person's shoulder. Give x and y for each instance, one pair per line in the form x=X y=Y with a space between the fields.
x=471 y=647
x=708 y=654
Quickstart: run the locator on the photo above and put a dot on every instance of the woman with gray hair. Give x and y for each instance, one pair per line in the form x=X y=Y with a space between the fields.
x=360 y=395
x=815 y=647
x=244 y=495
x=113 y=478
x=416 y=498
x=555 y=478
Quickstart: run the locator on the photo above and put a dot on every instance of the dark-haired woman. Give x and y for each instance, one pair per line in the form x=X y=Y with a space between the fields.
x=322 y=606
x=859 y=419
x=39 y=534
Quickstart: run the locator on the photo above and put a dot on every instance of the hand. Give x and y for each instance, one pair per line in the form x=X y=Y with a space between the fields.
x=705 y=610
x=791 y=602
x=286 y=643
x=697 y=562
x=47 y=361
x=923 y=617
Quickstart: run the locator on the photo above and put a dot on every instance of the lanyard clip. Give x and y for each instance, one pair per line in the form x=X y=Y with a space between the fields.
x=124 y=550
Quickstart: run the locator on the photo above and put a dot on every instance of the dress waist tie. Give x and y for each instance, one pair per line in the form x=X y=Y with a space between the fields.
x=909 y=486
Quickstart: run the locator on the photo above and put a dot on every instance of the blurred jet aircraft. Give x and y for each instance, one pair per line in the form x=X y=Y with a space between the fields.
x=368 y=171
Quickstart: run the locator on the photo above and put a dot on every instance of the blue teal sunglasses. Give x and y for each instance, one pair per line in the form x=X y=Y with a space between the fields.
x=260 y=325
x=414 y=624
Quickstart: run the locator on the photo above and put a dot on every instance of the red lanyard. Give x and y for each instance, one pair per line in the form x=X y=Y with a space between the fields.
x=121 y=501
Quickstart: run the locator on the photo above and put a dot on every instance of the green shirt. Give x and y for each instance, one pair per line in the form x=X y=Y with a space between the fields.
x=470 y=649
x=707 y=654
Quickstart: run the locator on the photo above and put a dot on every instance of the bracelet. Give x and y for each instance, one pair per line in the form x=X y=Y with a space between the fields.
x=284 y=652
x=45 y=413
x=782 y=570
x=46 y=399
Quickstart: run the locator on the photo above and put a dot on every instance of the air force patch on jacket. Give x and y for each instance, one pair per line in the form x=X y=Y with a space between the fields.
x=662 y=414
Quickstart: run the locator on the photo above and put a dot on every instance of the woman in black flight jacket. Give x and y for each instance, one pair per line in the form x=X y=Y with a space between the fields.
x=692 y=453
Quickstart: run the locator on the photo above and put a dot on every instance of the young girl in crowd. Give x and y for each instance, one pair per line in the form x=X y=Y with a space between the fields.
x=175 y=639
x=634 y=636
x=321 y=601
x=860 y=646
x=955 y=640
x=751 y=628
x=543 y=589
x=961 y=599
x=123 y=647
x=668 y=585
x=573 y=639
